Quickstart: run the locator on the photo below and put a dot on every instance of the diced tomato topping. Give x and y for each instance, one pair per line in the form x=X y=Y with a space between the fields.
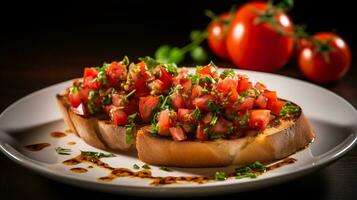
x=166 y=78
x=246 y=104
x=157 y=85
x=146 y=107
x=90 y=74
x=75 y=99
x=186 y=86
x=207 y=118
x=208 y=70
x=164 y=123
x=183 y=114
x=196 y=91
x=177 y=133
x=200 y=134
x=201 y=102
x=118 y=100
x=277 y=106
x=259 y=119
x=260 y=86
x=228 y=86
x=131 y=107
x=272 y=98
x=243 y=84
x=84 y=93
x=119 y=117
x=261 y=101
x=115 y=72
x=177 y=101
x=222 y=126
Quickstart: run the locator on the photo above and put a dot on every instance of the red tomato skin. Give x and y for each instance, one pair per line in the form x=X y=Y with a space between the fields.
x=120 y=118
x=272 y=98
x=200 y=135
x=183 y=114
x=196 y=91
x=259 y=119
x=88 y=78
x=166 y=78
x=74 y=99
x=177 y=133
x=258 y=46
x=277 y=106
x=146 y=106
x=314 y=66
x=177 y=101
x=216 y=37
x=131 y=107
x=246 y=104
x=208 y=70
x=164 y=123
x=115 y=72
x=201 y=102
x=261 y=101
x=243 y=84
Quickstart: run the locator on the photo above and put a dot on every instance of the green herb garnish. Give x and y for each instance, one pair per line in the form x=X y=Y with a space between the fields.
x=228 y=73
x=125 y=61
x=146 y=166
x=213 y=120
x=63 y=151
x=135 y=166
x=165 y=169
x=220 y=176
x=97 y=155
x=289 y=109
x=249 y=171
x=196 y=113
x=150 y=62
x=129 y=138
x=212 y=106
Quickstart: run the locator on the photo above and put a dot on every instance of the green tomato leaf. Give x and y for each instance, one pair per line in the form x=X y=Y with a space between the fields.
x=198 y=54
x=162 y=54
x=176 y=55
x=195 y=35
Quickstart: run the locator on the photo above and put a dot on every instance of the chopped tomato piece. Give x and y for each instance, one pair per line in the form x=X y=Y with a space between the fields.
x=74 y=99
x=186 y=86
x=222 y=126
x=277 y=106
x=119 y=117
x=177 y=101
x=115 y=72
x=84 y=93
x=208 y=70
x=200 y=134
x=164 y=123
x=131 y=107
x=177 y=133
x=146 y=107
x=90 y=74
x=246 y=104
x=228 y=86
x=272 y=98
x=157 y=85
x=207 y=118
x=259 y=119
x=201 y=102
x=261 y=101
x=183 y=114
x=196 y=91
x=243 y=84
x=118 y=100
x=166 y=78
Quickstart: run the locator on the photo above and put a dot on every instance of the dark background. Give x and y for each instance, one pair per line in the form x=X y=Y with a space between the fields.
x=49 y=42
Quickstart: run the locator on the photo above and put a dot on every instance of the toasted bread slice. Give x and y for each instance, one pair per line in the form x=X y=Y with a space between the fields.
x=274 y=143
x=94 y=131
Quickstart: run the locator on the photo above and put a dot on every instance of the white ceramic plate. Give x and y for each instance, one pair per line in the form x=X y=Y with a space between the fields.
x=31 y=119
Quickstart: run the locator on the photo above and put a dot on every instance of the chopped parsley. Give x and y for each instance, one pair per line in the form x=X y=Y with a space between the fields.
x=212 y=106
x=228 y=73
x=97 y=154
x=171 y=68
x=220 y=176
x=243 y=120
x=290 y=109
x=125 y=61
x=196 y=113
x=165 y=169
x=91 y=105
x=135 y=166
x=63 y=151
x=213 y=120
x=129 y=138
x=149 y=62
x=249 y=171
x=146 y=166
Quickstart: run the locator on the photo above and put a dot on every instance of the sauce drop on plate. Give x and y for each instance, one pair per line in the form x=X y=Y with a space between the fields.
x=58 y=134
x=37 y=147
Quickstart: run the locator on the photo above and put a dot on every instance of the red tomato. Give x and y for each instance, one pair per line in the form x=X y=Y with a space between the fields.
x=164 y=123
x=228 y=86
x=260 y=46
x=183 y=114
x=200 y=134
x=177 y=101
x=131 y=107
x=146 y=107
x=166 y=78
x=119 y=117
x=261 y=101
x=157 y=85
x=186 y=86
x=259 y=119
x=177 y=133
x=90 y=74
x=208 y=70
x=115 y=72
x=216 y=37
x=327 y=61
x=196 y=91
x=260 y=86
x=74 y=99
x=277 y=106
x=140 y=79
x=246 y=104
x=272 y=98
x=201 y=102
x=118 y=100
x=243 y=84
x=222 y=126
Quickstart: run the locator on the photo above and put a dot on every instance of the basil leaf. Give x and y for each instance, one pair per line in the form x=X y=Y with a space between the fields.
x=220 y=176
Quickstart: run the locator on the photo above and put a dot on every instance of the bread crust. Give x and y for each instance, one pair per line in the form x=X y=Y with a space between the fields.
x=273 y=144
x=95 y=132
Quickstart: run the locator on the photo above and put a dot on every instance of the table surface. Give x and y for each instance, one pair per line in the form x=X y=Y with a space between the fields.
x=34 y=62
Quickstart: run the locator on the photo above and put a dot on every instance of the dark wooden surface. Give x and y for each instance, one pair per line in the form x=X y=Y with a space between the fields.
x=35 y=55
